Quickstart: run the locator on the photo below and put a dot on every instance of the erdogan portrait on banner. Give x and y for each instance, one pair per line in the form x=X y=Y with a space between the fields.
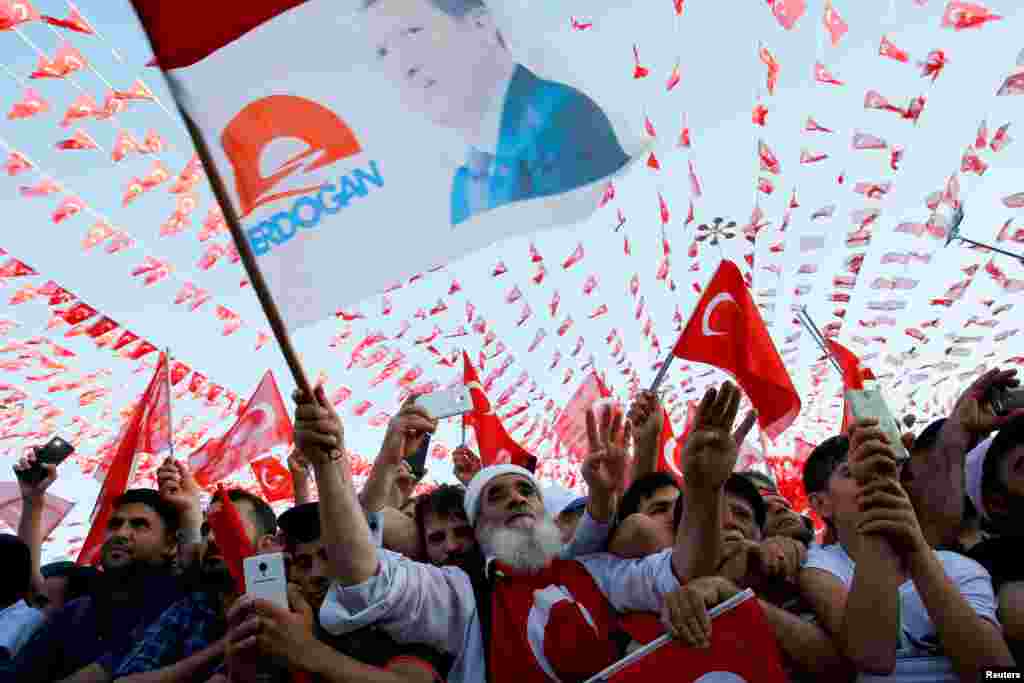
x=528 y=137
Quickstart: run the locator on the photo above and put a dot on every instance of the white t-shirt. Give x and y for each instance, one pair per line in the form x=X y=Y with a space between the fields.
x=919 y=657
x=17 y=623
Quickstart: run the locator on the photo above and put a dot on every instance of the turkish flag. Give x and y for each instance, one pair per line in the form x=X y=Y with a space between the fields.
x=274 y=478
x=727 y=331
x=148 y=431
x=496 y=446
x=571 y=426
x=742 y=629
x=55 y=508
x=264 y=424
x=229 y=534
x=670 y=449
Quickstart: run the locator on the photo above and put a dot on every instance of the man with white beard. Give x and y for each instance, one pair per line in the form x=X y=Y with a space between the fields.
x=528 y=615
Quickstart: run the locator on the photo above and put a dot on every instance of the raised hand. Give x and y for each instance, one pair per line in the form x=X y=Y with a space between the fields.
x=973 y=412
x=741 y=433
x=710 y=452
x=319 y=433
x=467 y=464
x=260 y=629
x=177 y=486
x=871 y=456
x=405 y=434
x=646 y=416
x=604 y=468
x=29 y=489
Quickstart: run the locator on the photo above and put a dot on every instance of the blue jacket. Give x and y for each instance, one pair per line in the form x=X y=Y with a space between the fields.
x=553 y=139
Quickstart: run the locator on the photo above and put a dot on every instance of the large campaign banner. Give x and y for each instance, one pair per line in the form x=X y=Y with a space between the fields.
x=370 y=139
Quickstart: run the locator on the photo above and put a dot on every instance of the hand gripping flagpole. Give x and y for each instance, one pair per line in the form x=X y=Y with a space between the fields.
x=252 y=269
x=954 y=234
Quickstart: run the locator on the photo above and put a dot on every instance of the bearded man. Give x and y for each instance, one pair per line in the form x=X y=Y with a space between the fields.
x=539 y=616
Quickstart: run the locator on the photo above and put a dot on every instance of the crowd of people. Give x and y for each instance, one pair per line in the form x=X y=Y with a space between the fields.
x=498 y=579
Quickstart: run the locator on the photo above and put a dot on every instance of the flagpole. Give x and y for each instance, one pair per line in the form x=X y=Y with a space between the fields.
x=662 y=373
x=170 y=400
x=252 y=269
x=954 y=234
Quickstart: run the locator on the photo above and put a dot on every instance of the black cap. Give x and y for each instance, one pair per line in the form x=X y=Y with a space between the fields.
x=301 y=524
x=742 y=486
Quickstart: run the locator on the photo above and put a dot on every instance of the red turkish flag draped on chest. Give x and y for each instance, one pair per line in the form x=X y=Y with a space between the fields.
x=743 y=650
x=552 y=625
x=496 y=446
x=262 y=425
x=148 y=431
x=727 y=331
x=274 y=478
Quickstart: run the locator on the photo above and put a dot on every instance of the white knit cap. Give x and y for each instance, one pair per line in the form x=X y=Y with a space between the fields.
x=482 y=479
x=974 y=468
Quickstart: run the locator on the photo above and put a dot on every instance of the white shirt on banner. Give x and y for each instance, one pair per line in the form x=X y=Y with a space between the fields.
x=919 y=658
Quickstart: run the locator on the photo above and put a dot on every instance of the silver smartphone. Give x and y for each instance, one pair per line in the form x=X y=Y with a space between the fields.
x=265 y=578
x=446 y=403
x=869 y=404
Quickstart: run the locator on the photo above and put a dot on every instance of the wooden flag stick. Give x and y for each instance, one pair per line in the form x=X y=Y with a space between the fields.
x=252 y=269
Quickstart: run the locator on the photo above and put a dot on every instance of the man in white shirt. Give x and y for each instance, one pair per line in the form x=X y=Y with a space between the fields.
x=551 y=618
x=892 y=603
x=18 y=621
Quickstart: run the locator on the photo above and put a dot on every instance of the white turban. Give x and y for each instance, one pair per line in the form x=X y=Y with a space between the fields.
x=482 y=479
x=974 y=468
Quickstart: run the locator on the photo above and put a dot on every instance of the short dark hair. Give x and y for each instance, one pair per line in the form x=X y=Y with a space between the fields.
x=447 y=500
x=822 y=462
x=642 y=489
x=152 y=499
x=1009 y=437
x=929 y=436
x=262 y=516
x=17 y=562
x=79 y=579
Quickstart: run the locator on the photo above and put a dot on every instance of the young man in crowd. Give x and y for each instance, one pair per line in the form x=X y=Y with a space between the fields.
x=18 y=619
x=261 y=631
x=187 y=641
x=88 y=638
x=995 y=488
x=891 y=603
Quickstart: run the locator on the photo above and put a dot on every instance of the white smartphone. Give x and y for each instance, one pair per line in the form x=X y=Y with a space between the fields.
x=869 y=403
x=265 y=578
x=446 y=403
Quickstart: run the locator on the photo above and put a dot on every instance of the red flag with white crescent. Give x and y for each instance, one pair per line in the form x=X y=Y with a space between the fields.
x=496 y=446
x=727 y=331
x=263 y=424
x=274 y=478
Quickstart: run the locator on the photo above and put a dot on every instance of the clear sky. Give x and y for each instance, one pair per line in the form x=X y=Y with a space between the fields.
x=720 y=78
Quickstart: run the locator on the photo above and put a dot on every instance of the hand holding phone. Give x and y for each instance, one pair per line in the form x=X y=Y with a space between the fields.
x=53 y=453
x=868 y=404
x=446 y=403
x=265 y=578
x=1006 y=400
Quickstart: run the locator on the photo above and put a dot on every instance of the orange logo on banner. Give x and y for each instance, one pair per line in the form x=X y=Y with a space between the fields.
x=283 y=116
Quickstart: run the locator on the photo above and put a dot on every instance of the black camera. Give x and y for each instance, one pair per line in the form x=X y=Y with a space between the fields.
x=263 y=567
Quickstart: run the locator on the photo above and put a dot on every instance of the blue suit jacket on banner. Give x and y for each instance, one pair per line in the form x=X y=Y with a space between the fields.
x=553 y=139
